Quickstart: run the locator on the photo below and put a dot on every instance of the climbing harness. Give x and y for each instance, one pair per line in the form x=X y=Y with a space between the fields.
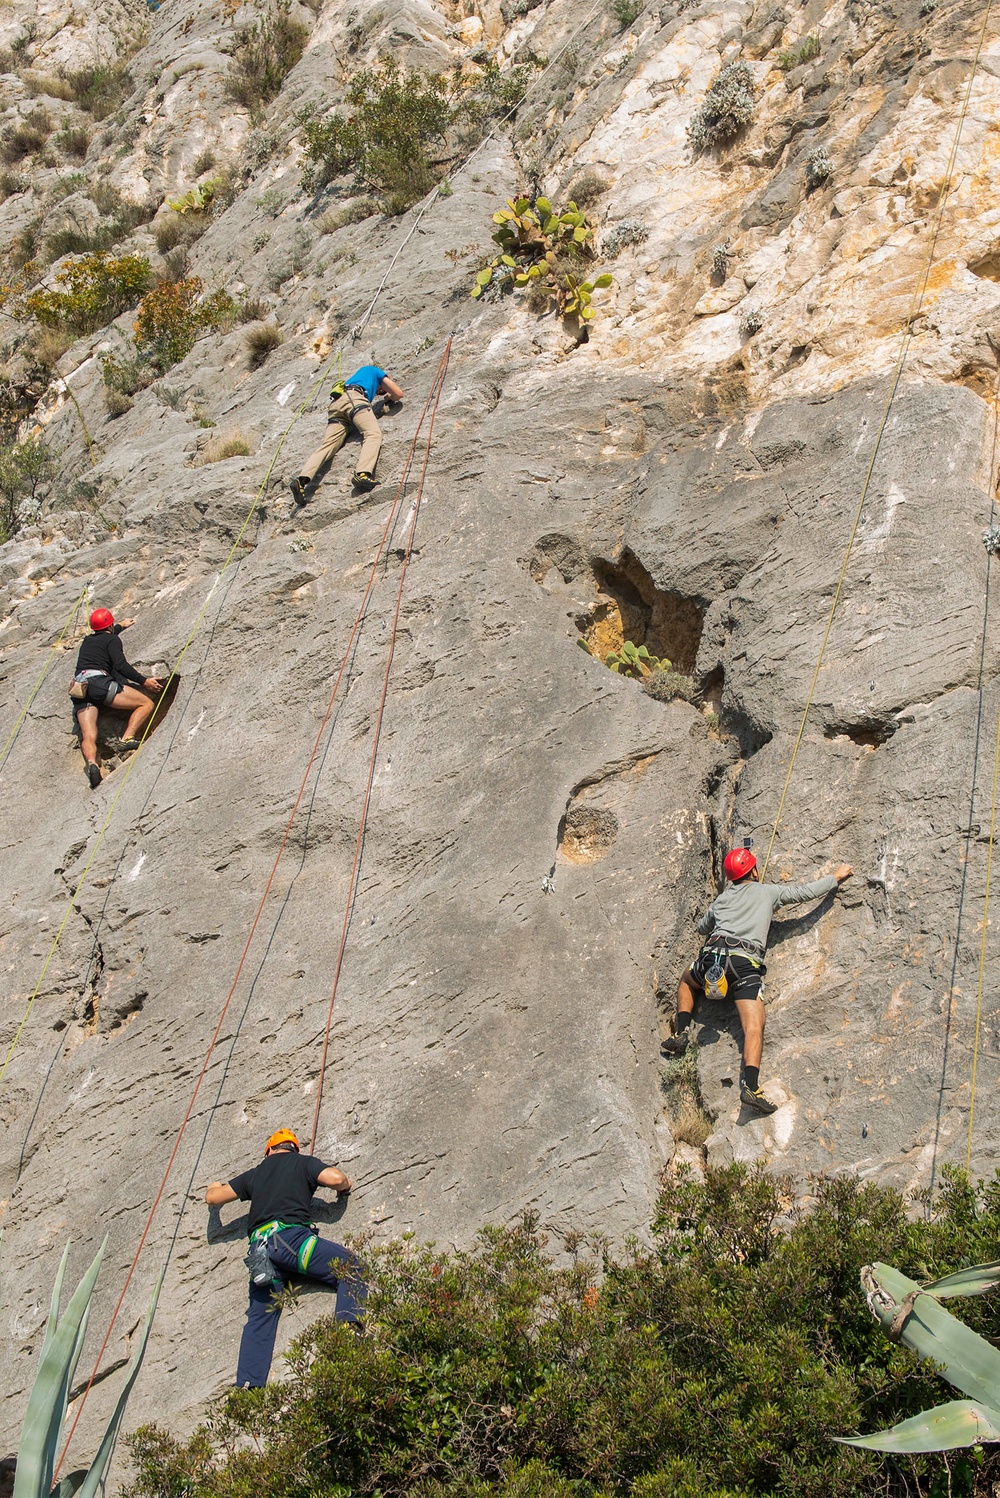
x=715 y=962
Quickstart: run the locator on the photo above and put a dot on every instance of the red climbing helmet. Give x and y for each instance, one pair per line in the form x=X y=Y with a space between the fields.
x=738 y=863
x=101 y=619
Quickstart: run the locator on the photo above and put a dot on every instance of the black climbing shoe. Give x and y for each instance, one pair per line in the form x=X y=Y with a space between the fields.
x=364 y=481
x=756 y=1100
x=674 y=1045
x=93 y=774
x=124 y=746
x=298 y=488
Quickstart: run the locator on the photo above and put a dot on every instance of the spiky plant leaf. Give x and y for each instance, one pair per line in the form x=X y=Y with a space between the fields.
x=966 y=1359
x=975 y=1280
x=963 y=1422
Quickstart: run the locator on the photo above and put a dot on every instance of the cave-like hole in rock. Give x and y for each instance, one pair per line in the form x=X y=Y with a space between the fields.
x=870 y=734
x=586 y=833
x=629 y=606
x=987 y=267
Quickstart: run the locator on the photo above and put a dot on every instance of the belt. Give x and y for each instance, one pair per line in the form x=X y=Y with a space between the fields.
x=358 y=390
x=304 y=1253
x=83 y=675
x=737 y=943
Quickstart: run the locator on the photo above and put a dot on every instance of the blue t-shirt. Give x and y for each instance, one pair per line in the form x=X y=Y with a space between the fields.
x=367 y=378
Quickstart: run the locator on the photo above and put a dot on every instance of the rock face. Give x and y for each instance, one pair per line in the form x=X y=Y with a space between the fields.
x=541 y=832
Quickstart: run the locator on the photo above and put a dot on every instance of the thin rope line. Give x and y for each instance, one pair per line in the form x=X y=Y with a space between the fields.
x=359 y=844
x=982 y=946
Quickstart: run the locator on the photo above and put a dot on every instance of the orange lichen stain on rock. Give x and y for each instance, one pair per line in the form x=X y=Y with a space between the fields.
x=605 y=633
x=898 y=1002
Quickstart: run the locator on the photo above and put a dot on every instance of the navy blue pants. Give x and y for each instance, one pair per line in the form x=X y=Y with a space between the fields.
x=331 y=1264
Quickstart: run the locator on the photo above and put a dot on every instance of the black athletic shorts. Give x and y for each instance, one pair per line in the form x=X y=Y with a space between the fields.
x=745 y=977
x=101 y=692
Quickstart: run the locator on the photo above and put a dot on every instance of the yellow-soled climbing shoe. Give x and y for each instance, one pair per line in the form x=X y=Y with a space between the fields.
x=755 y=1099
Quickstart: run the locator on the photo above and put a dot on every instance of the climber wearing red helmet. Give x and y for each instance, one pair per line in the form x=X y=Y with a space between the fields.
x=731 y=963
x=102 y=679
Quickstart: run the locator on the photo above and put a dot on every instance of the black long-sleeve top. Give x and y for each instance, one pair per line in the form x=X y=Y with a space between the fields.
x=103 y=652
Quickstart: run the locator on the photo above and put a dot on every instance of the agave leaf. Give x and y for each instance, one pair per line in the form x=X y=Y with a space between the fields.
x=70 y=1485
x=965 y=1359
x=975 y=1280
x=963 y=1422
x=94 y=1478
x=47 y=1402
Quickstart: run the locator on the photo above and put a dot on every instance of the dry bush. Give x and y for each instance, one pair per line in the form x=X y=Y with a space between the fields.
x=354 y=213
x=261 y=341
x=26 y=137
x=173 y=229
x=226 y=445
x=49 y=346
x=117 y=402
x=253 y=309
x=73 y=140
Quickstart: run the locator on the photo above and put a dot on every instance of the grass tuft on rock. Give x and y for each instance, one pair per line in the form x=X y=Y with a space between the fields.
x=263 y=55
x=261 y=340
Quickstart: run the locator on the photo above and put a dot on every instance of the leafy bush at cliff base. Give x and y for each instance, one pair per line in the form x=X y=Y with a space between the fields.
x=717 y=1363
x=91 y=292
x=728 y=108
x=171 y=316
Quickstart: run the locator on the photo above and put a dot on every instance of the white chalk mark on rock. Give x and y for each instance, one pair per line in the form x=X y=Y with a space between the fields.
x=284 y=395
x=194 y=730
x=138 y=865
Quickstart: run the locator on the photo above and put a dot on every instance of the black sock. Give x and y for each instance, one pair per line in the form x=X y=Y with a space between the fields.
x=751 y=1076
x=681 y=1021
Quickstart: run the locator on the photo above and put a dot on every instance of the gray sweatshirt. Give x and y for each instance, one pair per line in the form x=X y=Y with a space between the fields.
x=744 y=910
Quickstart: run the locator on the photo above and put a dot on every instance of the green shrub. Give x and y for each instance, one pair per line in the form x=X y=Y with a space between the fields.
x=100 y=88
x=716 y=1363
x=91 y=292
x=819 y=167
x=263 y=55
x=625 y=12
x=385 y=137
x=728 y=108
x=117 y=403
x=806 y=50
x=173 y=314
x=25 y=137
x=490 y=95
x=73 y=140
x=126 y=373
x=71 y=239
x=25 y=467
x=628 y=231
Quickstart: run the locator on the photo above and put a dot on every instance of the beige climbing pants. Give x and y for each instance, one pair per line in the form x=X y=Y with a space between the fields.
x=350 y=409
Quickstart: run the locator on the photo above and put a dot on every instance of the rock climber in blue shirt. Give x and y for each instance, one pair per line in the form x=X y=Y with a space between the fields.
x=357 y=403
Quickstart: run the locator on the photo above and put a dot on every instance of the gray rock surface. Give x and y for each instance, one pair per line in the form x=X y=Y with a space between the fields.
x=541 y=832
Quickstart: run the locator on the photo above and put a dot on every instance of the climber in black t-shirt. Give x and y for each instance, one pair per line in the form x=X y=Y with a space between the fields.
x=280 y=1191
x=104 y=678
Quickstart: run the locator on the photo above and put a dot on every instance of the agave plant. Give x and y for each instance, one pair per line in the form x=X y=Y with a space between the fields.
x=913 y=1314
x=43 y=1420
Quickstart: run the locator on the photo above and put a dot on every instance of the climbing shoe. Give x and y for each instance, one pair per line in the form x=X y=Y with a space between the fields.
x=298 y=488
x=674 y=1045
x=124 y=746
x=755 y=1099
x=93 y=774
x=364 y=481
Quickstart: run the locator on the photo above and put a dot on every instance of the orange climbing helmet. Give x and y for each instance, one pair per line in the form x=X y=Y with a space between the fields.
x=738 y=863
x=101 y=619
x=282 y=1136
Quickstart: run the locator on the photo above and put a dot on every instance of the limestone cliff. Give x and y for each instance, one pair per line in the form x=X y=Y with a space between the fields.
x=541 y=831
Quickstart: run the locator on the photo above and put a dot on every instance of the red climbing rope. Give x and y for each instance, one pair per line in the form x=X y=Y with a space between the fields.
x=359 y=844
x=434 y=394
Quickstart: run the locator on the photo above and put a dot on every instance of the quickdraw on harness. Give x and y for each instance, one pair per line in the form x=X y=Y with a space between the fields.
x=263 y=1270
x=720 y=968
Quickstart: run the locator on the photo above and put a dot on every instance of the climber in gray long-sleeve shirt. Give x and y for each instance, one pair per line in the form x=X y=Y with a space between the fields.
x=731 y=962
